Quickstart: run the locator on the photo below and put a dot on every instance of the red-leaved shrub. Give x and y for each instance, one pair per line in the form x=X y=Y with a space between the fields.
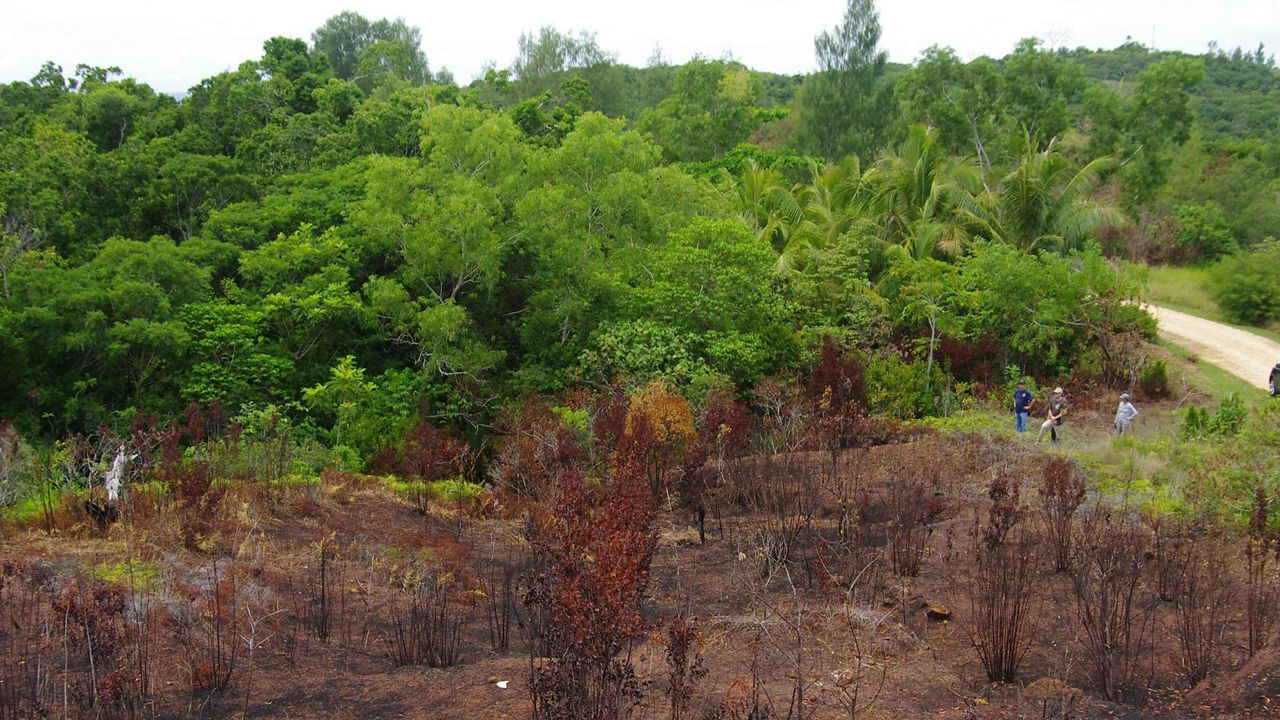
x=594 y=544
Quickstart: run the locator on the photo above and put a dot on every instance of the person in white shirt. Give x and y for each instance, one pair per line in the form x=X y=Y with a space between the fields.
x=1125 y=415
x=1053 y=418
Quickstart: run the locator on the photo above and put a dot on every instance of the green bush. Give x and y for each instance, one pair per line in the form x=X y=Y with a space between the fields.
x=899 y=388
x=455 y=489
x=1203 y=231
x=1230 y=416
x=1194 y=421
x=1153 y=380
x=1226 y=421
x=1247 y=285
x=18 y=468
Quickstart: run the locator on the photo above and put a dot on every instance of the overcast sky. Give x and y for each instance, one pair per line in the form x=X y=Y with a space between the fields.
x=173 y=45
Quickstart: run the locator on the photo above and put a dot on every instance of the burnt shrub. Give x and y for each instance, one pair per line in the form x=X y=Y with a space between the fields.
x=1002 y=591
x=1115 y=616
x=429 y=621
x=1206 y=596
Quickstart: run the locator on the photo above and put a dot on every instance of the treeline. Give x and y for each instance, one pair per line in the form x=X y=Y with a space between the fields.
x=338 y=233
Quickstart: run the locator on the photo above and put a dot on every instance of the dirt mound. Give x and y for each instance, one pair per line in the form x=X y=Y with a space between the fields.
x=1251 y=691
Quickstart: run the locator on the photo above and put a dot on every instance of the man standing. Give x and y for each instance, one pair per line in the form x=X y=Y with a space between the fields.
x=1022 y=402
x=1125 y=415
x=1053 y=419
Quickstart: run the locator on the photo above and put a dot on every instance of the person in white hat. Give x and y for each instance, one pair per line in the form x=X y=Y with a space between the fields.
x=1125 y=415
x=1053 y=418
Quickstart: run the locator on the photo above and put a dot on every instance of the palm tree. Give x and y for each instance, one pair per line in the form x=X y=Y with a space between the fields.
x=799 y=219
x=834 y=199
x=925 y=197
x=1045 y=204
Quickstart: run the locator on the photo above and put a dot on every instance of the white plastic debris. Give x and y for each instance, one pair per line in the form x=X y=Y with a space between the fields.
x=502 y=684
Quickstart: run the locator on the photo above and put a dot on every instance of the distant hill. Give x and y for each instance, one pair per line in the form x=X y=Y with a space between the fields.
x=1239 y=99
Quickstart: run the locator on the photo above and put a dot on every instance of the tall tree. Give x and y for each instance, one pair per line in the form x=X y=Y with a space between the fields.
x=1038 y=86
x=544 y=56
x=963 y=101
x=711 y=109
x=844 y=106
x=353 y=44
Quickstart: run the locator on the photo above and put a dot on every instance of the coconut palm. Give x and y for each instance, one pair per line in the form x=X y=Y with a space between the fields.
x=1043 y=203
x=798 y=220
x=834 y=199
x=924 y=197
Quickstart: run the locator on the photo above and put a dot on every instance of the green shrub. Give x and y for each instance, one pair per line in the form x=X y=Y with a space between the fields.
x=1229 y=417
x=137 y=575
x=1203 y=231
x=1153 y=380
x=1247 y=285
x=454 y=489
x=1226 y=421
x=899 y=388
x=19 y=474
x=1194 y=421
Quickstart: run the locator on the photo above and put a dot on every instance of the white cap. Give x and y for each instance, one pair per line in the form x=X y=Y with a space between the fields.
x=1057 y=391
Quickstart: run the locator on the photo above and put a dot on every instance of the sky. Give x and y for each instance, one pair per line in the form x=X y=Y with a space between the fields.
x=173 y=45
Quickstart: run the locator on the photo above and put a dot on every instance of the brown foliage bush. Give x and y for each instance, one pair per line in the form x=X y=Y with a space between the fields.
x=534 y=445
x=1061 y=493
x=682 y=643
x=976 y=361
x=594 y=546
x=428 y=454
x=658 y=430
x=837 y=389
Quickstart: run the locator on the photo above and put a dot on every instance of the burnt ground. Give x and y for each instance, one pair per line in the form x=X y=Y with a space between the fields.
x=859 y=625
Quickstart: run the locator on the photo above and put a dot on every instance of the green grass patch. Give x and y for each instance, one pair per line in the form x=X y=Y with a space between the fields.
x=26 y=510
x=973 y=421
x=1184 y=288
x=457 y=490
x=30 y=509
x=137 y=575
x=452 y=490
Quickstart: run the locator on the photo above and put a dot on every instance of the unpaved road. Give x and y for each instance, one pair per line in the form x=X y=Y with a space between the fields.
x=1243 y=354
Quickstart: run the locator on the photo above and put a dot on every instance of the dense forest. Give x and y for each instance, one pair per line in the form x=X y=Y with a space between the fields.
x=333 y=224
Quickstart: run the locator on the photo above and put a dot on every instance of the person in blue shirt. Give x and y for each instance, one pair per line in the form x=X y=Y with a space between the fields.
x=1022 y=402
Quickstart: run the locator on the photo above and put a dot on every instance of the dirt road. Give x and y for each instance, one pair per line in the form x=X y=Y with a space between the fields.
x=1243 y=354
